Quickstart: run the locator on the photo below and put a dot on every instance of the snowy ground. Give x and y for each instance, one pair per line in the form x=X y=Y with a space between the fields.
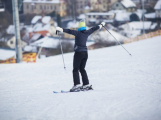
x=125 y=88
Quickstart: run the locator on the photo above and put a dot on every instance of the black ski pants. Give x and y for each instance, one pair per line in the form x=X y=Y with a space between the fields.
x=79 y=63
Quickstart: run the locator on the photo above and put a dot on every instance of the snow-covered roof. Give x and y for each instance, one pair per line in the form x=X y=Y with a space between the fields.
x=106 y=36
x=6 y=37
x=137 y=25
x=29 y=48
x=122 y=16
x=87 y=8
x=6 y=54
x=11 y=29
x=92 y=20
x=46 y=42
x=81 y=16
x=35 y=19
x=150 y=15
x=50 y=42
x=132 y=33
x=37 y=26
x=158 y=5
x=128 y=3
x=98 y=13
x=35 y=37
x=46 y=19
x=73 y=24
x=41 y=27
x=43 y=1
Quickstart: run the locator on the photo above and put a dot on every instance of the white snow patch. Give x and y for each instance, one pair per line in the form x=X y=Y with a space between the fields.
x=46 y=19
x=128 y=3
x=150 y=15
x=158 y=5
x=6 y=54
x=35 y=19
x=81 y=16
x=73 y=24
x=44 y=1
x=125 y=88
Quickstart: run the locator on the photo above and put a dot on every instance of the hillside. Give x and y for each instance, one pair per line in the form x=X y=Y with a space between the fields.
x=125 y=87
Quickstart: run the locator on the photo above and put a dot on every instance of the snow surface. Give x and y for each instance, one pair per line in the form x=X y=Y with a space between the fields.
x=125 y=88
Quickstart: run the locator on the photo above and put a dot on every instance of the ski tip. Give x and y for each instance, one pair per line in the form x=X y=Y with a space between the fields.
x=55 y=92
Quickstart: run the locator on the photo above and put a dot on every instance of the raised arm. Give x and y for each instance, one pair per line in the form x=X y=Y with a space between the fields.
x=73 y=32
x=90 y=31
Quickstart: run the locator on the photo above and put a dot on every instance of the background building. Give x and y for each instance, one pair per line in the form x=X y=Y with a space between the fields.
x=45 y=6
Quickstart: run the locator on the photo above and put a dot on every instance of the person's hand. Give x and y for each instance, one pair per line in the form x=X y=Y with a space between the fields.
x=102 y=25
x=59 y=29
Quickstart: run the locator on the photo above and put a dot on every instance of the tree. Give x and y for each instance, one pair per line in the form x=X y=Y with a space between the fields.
x=6 y=19
x=72 y=8
x=52 y=14
x=59 y=20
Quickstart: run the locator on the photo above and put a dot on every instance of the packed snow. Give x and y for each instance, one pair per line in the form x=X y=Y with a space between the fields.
x=125 y=87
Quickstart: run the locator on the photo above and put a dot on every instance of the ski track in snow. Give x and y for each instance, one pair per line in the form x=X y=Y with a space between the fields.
x=125 y=88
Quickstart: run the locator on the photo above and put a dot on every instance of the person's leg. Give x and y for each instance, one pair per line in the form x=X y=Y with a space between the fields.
x=76 y=64
x=83 y=71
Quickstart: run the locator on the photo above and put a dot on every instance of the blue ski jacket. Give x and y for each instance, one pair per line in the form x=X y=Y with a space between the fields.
x=81 y=38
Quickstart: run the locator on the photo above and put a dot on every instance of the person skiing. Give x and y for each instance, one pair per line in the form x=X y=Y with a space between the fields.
x=81 y=54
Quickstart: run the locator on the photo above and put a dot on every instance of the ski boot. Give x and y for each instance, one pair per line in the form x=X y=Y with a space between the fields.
x=76 y=88
x=86 y=87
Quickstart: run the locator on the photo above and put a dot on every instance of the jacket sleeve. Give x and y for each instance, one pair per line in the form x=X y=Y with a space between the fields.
x=73 y=32
x=90 y=31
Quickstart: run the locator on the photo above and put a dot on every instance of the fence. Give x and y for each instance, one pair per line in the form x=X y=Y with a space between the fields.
x=142 y=37
x=27 y=57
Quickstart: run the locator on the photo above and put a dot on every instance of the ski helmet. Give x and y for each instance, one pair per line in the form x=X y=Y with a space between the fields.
x=82 y=25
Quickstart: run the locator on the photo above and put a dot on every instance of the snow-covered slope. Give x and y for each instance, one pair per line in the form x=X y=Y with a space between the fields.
x=125 y=88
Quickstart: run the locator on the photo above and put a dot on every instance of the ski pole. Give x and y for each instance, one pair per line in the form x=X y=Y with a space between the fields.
x=117 y=41
x=61 y=49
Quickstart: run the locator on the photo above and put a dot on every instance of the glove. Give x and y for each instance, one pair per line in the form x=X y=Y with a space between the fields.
x=59 y=29
x=102 y=25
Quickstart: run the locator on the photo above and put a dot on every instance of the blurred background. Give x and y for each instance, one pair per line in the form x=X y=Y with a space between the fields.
x=34 y=36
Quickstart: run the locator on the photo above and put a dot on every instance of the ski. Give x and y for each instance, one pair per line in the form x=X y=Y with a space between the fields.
x=62 y=91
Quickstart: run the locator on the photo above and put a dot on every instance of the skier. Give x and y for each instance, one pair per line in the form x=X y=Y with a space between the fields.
x=81 y=54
